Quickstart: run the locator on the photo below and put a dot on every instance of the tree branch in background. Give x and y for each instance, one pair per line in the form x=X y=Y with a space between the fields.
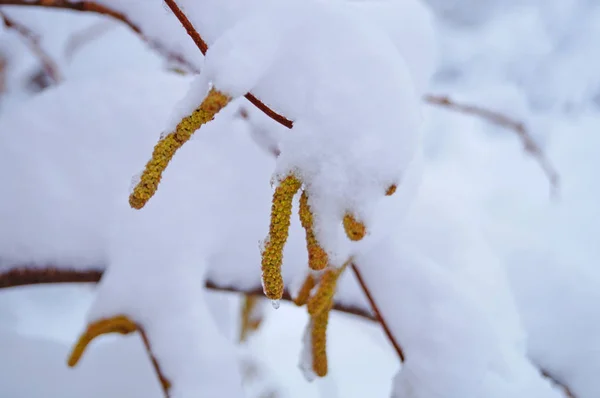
x=92 y=7
x=33 y=42
x=502 y=120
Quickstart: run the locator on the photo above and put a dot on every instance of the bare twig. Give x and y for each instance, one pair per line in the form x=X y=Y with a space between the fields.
x=529 y=143
x=164 y=382
x=377 y=313
x=33 y=42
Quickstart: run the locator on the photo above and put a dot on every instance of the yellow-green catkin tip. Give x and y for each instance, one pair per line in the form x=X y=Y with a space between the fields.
x=304 y=293
x=251 y=317
x=391 y=190
x=272 y=256
x=317 y=257
x=118 y=324
x=165 y=149
x=355 y=230
x=319 y=342
x=323 y=297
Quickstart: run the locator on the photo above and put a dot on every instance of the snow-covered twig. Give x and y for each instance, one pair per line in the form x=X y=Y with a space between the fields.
x=32 y=40
x=529 y=143
x=202 y=46
x=93 y=7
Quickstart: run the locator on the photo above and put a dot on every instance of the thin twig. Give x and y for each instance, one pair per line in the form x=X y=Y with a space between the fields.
x=567 y=391
x=164 y=382
x=203 y=47
x=529 y=143
x=33 y=42
x=377 y=313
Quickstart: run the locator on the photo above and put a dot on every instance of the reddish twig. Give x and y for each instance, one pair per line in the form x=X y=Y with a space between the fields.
x=377 y=313
x=203 y=47
x=33 y=42
x=502 y=120
x=164 y=382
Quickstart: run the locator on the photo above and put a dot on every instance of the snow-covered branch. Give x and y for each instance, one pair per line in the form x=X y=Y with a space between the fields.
x=25 y=275
x=98 y=8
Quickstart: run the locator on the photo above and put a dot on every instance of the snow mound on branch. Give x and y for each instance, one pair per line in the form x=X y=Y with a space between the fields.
x=62 y=170
x=355 y=109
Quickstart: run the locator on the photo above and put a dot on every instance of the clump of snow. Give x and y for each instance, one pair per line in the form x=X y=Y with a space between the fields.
x=346 y=148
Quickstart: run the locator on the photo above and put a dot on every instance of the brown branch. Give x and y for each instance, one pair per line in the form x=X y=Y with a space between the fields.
x=90 y=6
x=567 y=391
x=33 y=42
x=201 y=44
x=529 y=143
x=377 y=313
x=164 y=382
x=35 y=275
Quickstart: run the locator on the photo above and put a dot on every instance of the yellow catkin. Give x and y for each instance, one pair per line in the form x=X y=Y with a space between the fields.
x=304 y=292
x=318 y=340
x=317 y=257
x=118 y=324
x=326 y=290
x=167 y=146
x=391 y=190
x=272 y=255
x=355 y=230
x=251 y=317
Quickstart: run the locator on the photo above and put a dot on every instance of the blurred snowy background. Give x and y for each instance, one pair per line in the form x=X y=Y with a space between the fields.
x=537 y=61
